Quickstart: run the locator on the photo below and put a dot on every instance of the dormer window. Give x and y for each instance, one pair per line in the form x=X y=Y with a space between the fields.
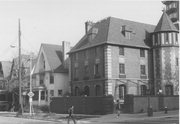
x=128 y=35
x=127 y=32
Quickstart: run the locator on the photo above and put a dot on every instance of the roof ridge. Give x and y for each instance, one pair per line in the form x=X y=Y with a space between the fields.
x=50 y=44
x=133 y=21
x=109 y=22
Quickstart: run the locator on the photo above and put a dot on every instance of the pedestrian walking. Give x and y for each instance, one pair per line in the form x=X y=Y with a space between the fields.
x=71 y=116
x=118 y=107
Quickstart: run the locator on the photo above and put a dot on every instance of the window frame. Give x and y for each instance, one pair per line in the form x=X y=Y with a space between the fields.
x=121 y=68
x=121 y=51
x=51 y=79
x=142 y=53
x=60 y=92
x=51 y=93
x=143 y=69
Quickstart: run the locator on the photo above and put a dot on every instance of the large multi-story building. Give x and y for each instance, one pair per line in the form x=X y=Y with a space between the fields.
x=118 y=57
x=172 y=9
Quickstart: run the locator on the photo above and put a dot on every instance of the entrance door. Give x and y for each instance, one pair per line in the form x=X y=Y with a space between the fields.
x=122 y=91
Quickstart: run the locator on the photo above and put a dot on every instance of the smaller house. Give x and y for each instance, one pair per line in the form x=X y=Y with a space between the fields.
x=5 y=67
x=51 y=73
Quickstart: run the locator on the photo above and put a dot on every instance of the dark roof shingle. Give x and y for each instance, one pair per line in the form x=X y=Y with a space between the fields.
x=110 y=31
x=165 y=24
x=54 y=57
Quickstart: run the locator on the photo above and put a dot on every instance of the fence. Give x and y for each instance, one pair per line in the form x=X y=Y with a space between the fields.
x=136 y=104
x=83 y=105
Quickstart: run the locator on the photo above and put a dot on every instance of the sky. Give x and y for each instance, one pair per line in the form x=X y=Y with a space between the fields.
x=54 y=21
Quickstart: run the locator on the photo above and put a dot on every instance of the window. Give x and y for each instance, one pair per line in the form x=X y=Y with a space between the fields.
x=76 y=56
x=41 y=81
x=51 y=92
x=156 y=39
x=36 y=95
x=177 y=61
x=44 y=64
x=122 y=91
x=142 y=53
x=85 y=54
x=143 y=90
x=121 y=50
x=76 y=72
x=42 y=95
x=86 y=90
x=51 y=79
x=60 y=92
x=176 y=38
x=77 y=91
x=96 y=69
x=98 y=90
x=143 y=70
x=122 y=68
x=86 y=70
x=169 y=90
x=166 y=38
x=128 y=35
x=96 y=51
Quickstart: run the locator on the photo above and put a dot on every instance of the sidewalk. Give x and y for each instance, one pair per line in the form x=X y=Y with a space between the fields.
x=132 y=117
x=95 y=118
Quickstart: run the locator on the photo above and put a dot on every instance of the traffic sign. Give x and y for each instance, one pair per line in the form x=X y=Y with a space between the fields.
x=30 y=94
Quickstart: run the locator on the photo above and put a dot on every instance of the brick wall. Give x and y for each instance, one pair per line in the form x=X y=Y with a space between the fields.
x=83 y=105
x=137 y=104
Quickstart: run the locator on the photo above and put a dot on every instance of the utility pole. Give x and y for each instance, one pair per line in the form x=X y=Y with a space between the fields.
x=20 y=92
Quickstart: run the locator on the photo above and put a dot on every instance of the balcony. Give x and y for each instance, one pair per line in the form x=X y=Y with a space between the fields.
x=173 y=17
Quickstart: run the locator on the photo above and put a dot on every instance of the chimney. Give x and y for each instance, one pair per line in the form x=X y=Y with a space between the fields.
x=88 y=26
x=66 y=49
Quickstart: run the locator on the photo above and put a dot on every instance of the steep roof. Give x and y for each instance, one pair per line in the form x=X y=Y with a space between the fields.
x=54 y=57
x=110 y=31
x=165 y=24
x=6 y=68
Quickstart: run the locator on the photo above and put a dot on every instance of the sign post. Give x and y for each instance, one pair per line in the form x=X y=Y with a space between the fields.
x=30 y=94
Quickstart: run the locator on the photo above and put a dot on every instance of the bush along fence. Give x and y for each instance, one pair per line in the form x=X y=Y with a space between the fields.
x=138 y=104
x=82 y=105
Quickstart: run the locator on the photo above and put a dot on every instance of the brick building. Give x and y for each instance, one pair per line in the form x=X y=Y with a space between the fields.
x=114 y=57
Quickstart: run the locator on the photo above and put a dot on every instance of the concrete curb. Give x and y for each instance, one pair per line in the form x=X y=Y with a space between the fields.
x=89 y=120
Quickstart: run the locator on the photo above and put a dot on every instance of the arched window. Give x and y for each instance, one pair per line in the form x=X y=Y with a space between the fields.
x=169 y=90
x=143 y=90
x=122 y=91
x=86 y=90
x=97 y=90
x=77 y=91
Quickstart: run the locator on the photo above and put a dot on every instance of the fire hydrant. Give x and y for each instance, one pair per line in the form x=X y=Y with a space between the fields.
x=165 y=110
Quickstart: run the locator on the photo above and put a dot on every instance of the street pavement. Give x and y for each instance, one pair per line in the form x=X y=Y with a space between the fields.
x=43 y=118
x=13 y=120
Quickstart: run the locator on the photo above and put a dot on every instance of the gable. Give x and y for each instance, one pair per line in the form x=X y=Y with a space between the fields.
x=39 y=61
